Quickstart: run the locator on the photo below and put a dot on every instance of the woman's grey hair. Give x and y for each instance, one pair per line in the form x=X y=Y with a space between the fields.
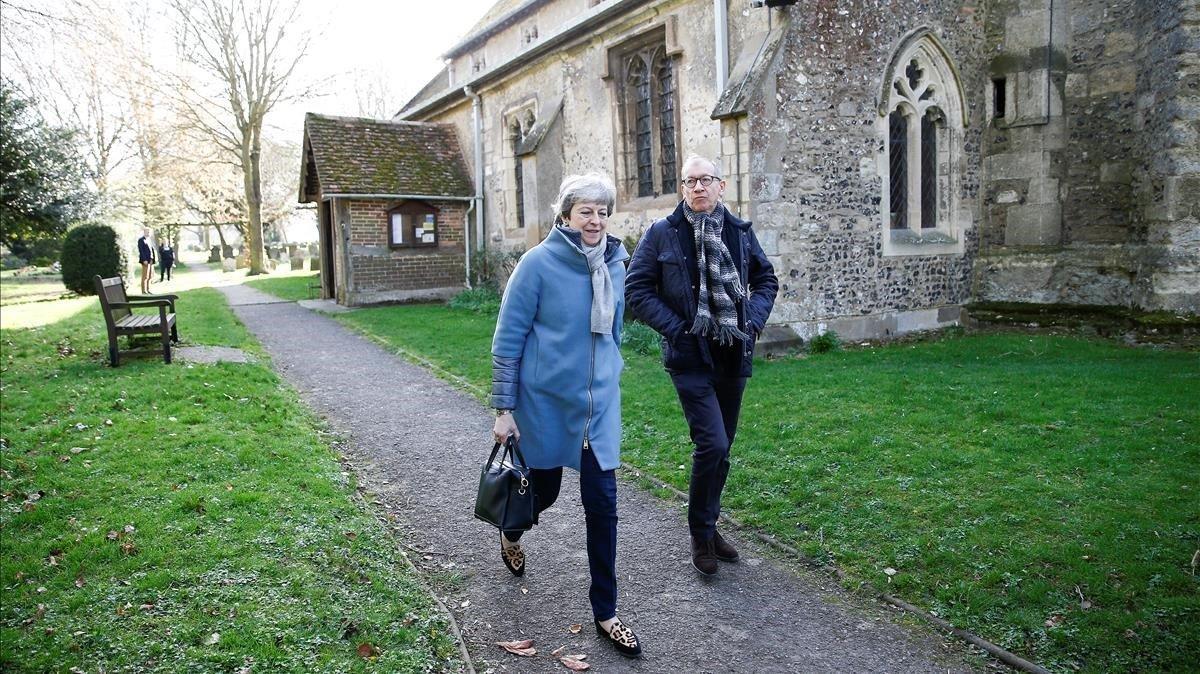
x=594 y=188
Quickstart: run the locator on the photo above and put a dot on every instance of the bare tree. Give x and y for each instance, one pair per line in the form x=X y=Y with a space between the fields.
x=248 y=54
x=373 y=93
x=75 y=79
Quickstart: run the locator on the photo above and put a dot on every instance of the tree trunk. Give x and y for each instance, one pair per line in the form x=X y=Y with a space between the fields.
x=254 y=233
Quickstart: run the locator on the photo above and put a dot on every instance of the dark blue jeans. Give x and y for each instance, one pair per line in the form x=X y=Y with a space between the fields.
x=598 y=491
x=711 y=404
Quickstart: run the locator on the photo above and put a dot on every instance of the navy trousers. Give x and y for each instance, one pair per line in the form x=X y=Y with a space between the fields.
x=598 y=491
x=711 y=404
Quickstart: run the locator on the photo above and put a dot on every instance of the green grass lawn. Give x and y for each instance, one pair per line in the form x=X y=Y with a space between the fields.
x=187 y=518
x=293 y=286
x=1041 y=491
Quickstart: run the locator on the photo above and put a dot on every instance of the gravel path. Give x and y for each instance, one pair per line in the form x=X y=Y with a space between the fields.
x=418 y=443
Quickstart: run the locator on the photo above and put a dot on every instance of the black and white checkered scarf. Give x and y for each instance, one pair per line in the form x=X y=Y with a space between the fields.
x=720 y=287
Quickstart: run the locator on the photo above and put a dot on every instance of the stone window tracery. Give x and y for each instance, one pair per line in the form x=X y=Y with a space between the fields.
x=646 y=90
x=518 y=126
x=922 y=121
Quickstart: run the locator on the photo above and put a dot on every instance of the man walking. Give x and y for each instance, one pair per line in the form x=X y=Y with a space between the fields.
x=700 y=278
x=146 y=259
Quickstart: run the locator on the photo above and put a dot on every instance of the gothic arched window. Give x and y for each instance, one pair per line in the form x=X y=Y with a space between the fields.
x=518 y=126
x=922 y=120
x=647 y=94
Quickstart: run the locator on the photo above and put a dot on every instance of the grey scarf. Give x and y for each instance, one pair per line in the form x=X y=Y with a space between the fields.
x=716 y=313
x=603 y=305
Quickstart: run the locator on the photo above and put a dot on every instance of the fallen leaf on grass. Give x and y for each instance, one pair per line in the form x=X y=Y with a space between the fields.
x=367 y=650
x=523 y=648
x=574 y=665
x=80 y=582
x=575 y=628
x=1054 y=621
x=212 y=639
x=351 y=535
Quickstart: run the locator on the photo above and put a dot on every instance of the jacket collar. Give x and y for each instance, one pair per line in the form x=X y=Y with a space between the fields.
x=565 y=244
x=677 y=217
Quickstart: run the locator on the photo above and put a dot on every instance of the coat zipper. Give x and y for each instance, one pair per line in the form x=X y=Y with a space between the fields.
x=587 y=425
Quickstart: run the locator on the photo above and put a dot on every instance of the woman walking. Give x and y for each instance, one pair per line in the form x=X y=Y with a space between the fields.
x=556 y=367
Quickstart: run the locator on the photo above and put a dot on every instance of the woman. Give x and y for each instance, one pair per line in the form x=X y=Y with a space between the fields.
x=166 y=260
x=556 y=368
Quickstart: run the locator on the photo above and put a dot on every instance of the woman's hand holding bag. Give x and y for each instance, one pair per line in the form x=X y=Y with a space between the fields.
x=505 y=498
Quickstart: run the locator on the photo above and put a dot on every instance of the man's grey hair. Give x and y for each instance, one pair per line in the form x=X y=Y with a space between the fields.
x=693 y=158
x=594 y=188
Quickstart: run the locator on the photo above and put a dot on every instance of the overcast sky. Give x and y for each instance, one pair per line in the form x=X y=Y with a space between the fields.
x=398 y=43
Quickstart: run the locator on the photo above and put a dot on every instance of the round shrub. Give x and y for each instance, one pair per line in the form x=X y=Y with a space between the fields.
x=825 y=343
x=87 y=251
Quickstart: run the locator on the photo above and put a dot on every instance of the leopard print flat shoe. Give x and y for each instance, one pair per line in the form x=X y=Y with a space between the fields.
x=622 y=638
x=513 y=557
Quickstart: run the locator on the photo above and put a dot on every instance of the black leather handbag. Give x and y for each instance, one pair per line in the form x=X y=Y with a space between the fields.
x=506 y=499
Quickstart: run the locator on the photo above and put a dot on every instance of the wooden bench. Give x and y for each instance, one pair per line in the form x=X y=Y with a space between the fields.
x=120 y=319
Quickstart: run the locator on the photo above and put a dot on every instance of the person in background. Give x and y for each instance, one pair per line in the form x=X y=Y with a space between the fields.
x=700 y=278
x=556 y=372
x=166 y=260
x=146 y=259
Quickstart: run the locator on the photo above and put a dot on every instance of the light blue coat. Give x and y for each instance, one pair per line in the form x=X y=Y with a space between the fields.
x=562 y=380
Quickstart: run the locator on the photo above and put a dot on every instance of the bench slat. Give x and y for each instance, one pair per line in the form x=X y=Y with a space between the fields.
x=142 y=322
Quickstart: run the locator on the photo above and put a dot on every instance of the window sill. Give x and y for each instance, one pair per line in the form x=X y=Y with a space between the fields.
x=909 y=242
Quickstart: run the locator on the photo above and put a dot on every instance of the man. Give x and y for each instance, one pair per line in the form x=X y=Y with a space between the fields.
x=146 y=259
x=700 y=278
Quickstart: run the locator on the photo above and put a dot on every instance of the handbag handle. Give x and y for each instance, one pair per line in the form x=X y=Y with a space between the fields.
x=511 y=449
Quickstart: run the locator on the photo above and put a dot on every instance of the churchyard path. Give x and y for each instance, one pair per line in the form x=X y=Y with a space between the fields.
x=416 y=443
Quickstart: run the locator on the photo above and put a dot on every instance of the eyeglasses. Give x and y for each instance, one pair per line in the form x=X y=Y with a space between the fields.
x=705 y=181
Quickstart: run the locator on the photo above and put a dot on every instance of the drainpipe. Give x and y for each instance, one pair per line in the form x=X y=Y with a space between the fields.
x=477 y=122
x=721 y=19
x=467 y=240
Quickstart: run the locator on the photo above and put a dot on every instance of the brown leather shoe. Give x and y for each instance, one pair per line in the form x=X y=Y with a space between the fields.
x=703 y=557
x=722 y=549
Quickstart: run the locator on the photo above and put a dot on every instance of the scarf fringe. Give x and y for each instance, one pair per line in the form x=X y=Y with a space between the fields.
x=705 y=326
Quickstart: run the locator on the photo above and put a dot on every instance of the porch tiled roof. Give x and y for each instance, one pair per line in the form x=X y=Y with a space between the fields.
x=353 y=155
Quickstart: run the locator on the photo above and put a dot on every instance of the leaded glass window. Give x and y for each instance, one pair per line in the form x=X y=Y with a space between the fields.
x=647 y=94
x=666 y=121
x=930 y=122
x=898 y=165
x=914 y=126
x=921 y=121
x=518 y=173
